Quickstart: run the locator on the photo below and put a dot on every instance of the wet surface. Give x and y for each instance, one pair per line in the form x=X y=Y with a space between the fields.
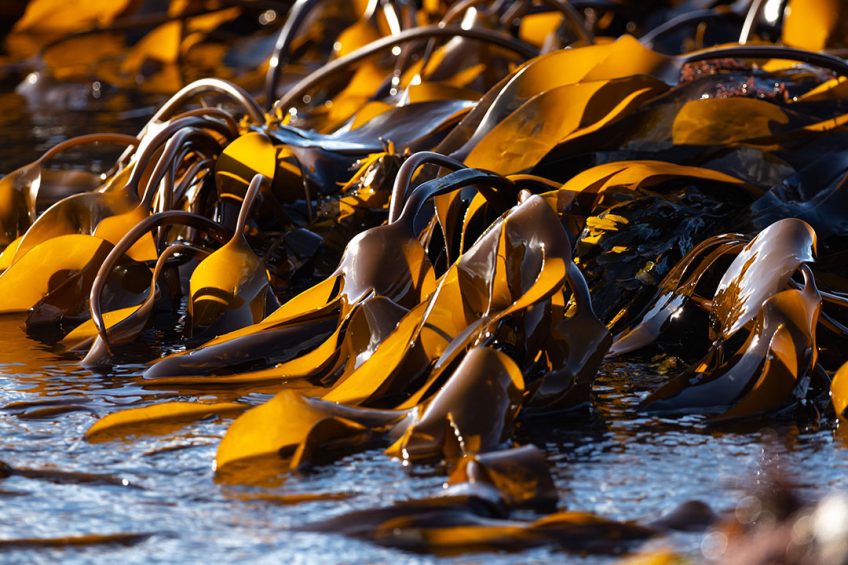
x=617 y=463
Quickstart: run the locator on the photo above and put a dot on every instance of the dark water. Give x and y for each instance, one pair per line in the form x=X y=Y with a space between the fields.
x=617 y=464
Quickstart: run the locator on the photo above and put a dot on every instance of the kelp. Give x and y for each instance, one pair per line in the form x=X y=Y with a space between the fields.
x=441 y=528
x=432 y=231
x=147 y=419
x=124 y=325
x=775 y=363
x=64 y=477
x=838 y=392
x=519 y=477
x=75 y=541
x=28 y=190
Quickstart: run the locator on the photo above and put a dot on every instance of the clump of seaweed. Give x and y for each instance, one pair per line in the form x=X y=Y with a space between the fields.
x=422 y=226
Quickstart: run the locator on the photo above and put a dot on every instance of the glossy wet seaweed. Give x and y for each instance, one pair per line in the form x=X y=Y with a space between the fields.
x=460 y=328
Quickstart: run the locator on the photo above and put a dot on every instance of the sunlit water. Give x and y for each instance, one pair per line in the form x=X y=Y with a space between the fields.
x=618 y=463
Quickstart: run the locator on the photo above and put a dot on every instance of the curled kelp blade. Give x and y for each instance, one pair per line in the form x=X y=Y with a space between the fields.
x=481 y=331
x=771 y=370
x=682 y=127
x=66 y=304
x=314 y=317
x=547 y=72
x=575 y=349
x=571 y=344
x=77 y=214
x=643 y=173
x=281 y=425
x=675 y=292
x=522 y=139
x=356 y=336
x=519 y=261
x=789 y=365
x=157 y=419
x=471 y=413
x=763 y=267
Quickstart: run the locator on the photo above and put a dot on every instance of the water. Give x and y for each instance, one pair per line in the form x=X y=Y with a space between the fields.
x=618 y=464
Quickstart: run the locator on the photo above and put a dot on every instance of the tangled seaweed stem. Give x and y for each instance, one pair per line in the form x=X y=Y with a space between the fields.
x=226 y=120
x=168 y=196
x=163 y=137
x=487 y=183
x=174 y=147
x=187 y=181
x=400 y=189
x=293 y=96
x=171 y=217
x=167 y=253
x=212 y=86
x=256 y=184
x=211 y=112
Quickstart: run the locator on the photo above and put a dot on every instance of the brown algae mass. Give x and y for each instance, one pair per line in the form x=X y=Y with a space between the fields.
x=377 y=280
